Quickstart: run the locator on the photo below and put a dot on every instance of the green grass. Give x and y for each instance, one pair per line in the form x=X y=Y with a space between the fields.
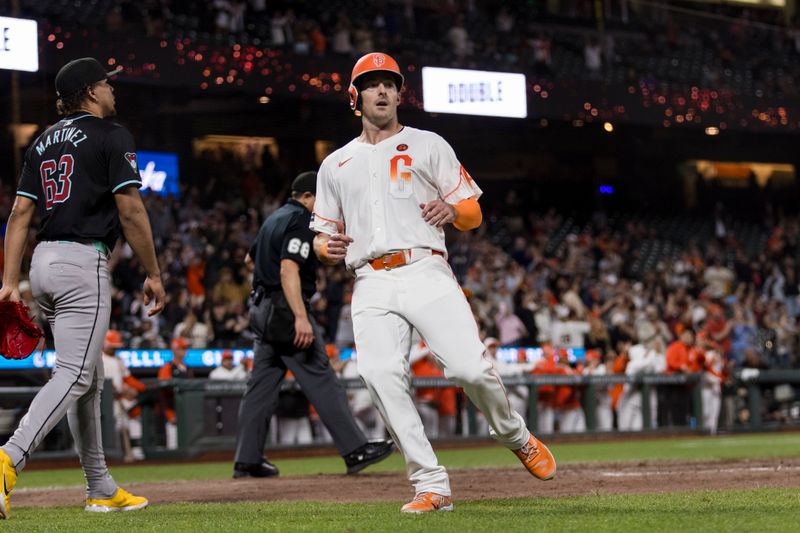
x=755 y=510
x=756 y=446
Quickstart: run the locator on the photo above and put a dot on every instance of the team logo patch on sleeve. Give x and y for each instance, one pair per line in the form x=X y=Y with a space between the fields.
x=131 y=157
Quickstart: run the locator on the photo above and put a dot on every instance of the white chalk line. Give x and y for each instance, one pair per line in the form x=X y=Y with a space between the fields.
x=704 y=471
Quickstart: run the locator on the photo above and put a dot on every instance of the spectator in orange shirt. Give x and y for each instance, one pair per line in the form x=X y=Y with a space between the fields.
x=175 y=369
x=618 y=366
x=681 y=359
x=195 y=273
x=571 y=418
x=437 y=406
x=546 y=401
x=678 y=353
x=318 y=40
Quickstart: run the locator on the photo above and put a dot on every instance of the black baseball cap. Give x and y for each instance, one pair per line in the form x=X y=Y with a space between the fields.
x=305 y=182
x=80 y=73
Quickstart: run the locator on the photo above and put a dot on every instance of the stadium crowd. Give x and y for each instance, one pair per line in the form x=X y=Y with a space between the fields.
x=524 y=290
x=721 y=47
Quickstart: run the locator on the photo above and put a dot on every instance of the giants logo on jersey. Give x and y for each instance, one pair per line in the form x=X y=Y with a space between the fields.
x=131 y=157
x=400 y=185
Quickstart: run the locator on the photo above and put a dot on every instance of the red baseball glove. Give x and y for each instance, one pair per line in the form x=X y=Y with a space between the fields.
x=19 y=336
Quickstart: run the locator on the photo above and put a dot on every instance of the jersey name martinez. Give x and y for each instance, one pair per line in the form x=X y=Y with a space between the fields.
x=72 y=135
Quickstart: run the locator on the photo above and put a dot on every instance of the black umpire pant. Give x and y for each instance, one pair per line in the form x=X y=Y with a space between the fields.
x=317 y=379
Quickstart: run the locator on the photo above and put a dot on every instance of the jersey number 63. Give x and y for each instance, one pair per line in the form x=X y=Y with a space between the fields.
x=56 y=180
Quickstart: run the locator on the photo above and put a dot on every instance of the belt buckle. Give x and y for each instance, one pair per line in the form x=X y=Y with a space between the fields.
x=385 y=260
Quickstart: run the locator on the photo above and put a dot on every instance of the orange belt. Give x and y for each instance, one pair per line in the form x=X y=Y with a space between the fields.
x=396 y=259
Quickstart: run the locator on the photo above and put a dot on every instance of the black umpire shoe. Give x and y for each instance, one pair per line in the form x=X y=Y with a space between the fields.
x=368 y=454
x=262 y=469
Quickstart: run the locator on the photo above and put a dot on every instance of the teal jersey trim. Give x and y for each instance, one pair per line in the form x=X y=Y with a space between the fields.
x=28 y=195
x=124 y=183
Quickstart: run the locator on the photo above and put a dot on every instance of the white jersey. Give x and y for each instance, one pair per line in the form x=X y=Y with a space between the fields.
x=237 y=373
x=374 y=192
x=115 y=370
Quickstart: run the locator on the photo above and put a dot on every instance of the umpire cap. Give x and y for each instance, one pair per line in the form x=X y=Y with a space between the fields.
x=80 y=73
x=305 y=182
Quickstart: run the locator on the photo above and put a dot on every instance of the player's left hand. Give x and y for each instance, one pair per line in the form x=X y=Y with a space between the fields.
x=153 y=290
x=438 y=213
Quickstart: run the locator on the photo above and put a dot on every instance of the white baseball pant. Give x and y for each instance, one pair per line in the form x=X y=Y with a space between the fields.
x=572 y=421
x=630 y=416
x=424 y=295
x=604 y=415
x=546 y=416
x=712 y=402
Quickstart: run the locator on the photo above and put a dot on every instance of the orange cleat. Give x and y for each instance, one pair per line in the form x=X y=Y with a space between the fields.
x=425 y=502
x=537 y=459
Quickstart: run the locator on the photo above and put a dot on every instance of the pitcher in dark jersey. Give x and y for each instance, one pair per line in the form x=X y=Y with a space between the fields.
x=80 y=177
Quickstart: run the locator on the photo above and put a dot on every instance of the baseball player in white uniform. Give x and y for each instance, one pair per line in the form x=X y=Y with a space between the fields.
x=382 y=202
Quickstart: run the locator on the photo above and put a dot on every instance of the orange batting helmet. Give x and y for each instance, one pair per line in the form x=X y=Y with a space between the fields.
x=373 y=62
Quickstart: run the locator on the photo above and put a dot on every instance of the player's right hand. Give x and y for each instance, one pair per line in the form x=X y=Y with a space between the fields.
x=337 y=246
x=154 y=290
x=303 y=333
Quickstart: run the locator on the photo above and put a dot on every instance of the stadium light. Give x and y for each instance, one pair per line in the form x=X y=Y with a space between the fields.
x=19 y=45
x=609 y=127
x=712 y=130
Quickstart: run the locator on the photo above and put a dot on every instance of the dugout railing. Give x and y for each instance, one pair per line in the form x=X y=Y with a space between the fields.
x=206 y=410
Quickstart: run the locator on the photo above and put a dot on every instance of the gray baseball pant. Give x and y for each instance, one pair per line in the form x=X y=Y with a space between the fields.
x=70 y=282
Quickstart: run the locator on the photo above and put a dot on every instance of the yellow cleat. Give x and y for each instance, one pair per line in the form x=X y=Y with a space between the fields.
x=122 y=501
x=9 y=474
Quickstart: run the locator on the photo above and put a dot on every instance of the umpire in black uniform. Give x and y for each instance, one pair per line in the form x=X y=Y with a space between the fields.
x=288 y=338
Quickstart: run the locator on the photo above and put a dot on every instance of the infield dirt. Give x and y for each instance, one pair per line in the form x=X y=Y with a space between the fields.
x=573 y=479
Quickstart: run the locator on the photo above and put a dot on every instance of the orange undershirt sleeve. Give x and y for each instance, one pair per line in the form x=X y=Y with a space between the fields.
x=468 y=214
